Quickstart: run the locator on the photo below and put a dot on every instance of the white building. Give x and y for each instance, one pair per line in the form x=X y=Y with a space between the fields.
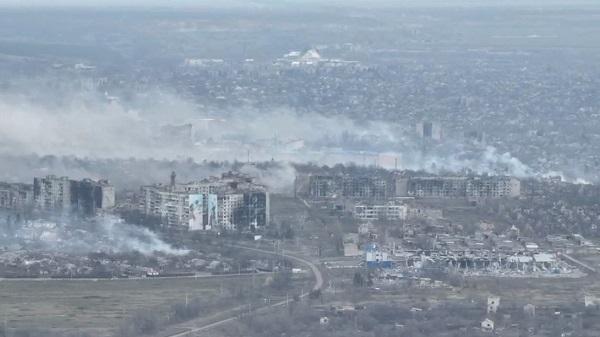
x=493 y=302
x=487 y=325
x=388 y=211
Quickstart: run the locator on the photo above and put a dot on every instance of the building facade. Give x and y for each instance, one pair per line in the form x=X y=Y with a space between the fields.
x=390 y=211
x=231 y=202
x=61 y=194
x=348 y=186
x=15 y=195
x=470 y=187
x=52 y=193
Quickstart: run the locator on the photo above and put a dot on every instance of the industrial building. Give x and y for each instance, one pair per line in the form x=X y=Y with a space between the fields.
x=230 y=202
x=61 y=194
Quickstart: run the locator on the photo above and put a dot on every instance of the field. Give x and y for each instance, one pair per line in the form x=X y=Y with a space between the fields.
x=97 y=306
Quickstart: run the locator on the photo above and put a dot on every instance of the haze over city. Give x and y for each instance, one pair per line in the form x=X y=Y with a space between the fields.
x=299 y=168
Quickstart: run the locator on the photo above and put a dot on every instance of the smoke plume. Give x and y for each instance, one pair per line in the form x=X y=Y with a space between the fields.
x=106 y=234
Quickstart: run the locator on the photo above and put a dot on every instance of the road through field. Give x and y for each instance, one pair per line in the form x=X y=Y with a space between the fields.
x=232 y=313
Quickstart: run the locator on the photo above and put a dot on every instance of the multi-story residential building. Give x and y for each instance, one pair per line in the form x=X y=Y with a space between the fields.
x=254 y=213
x=323 y=186
x=437 y=187
x=61 y=194
x=231 y=202
x=429 y=130
x=52 y=193
x=171 y=206
x=493 y=187
x=470 y=187
x=389 y=211
x=387 y=185
x=347 y=186
x=15 y=195
x=89 y=196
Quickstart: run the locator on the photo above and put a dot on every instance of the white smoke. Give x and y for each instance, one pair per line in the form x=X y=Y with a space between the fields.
x=125 y=237
x=84 y=123
x=107 y=234
x=278 y=177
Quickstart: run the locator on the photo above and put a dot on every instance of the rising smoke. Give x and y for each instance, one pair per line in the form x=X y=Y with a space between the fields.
x=77 y=121
x=107 y=234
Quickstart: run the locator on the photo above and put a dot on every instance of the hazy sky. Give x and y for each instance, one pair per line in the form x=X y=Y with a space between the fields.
x=261 y=3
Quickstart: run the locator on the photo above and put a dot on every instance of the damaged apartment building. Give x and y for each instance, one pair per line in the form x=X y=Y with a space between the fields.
x=60 y=194
x=469 y=187
x=397 y=195
x=384 y=186
x=345 y=186
x=230 y=202
x=394 y=210
x=15 y=196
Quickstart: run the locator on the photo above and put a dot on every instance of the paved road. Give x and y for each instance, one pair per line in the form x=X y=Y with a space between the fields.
x=313 y=268
x=133 y=278
x=233 y=312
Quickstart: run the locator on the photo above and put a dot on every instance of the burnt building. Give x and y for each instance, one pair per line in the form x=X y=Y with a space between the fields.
x=89 y=196
x=469 y=187
x=254 y=212
x=52 y=193
x=349 y=186
x=438 y=187
x=323 y=186
x=429 y=130
x=61 y=194
x=15 y=195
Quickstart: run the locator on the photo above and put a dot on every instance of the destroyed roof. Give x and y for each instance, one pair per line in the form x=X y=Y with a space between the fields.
x=544 y=257
x=520 y=259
